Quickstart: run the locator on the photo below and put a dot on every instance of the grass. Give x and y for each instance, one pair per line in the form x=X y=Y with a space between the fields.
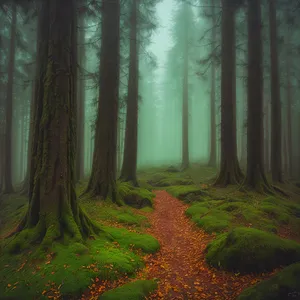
x=247 y=250
x=136 y=290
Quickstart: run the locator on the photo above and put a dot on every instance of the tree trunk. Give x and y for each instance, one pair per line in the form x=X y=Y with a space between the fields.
x=276 y=154
x=230 y=172
x=128 y=172
x=8 y=188
x=53 y=212
x=267 y=136
x=289 y=106
x=103 y=177
x=80 y=103
x=255 y=176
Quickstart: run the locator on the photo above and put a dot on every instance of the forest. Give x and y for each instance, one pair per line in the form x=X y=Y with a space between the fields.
x=149 y=149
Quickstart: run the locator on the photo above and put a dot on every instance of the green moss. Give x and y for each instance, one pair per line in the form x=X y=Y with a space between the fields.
x=136 y=290
x=72 y=267
x=250 y=250
x=145 y=242
x=188 y=193
x=283 y=285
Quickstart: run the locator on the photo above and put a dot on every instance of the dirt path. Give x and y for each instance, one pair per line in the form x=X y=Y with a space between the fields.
x=180 y=264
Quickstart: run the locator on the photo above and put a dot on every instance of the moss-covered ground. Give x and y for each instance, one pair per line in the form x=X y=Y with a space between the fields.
x=68 y=270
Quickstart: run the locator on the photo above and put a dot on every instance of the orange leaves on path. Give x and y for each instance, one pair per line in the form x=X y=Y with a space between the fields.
x=180 y=264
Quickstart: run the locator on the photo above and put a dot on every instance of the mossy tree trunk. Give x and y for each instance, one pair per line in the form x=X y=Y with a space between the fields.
x=255 y=176
x=276 y=154
x=8 y=188
x=103 y=177
x=230 y=172
x=128 y=171
x=80 y=102
x=53 y=211
x=185 y=161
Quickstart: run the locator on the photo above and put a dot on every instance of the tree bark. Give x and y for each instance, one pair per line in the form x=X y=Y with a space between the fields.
x=276 y=154
x=185 y=162
x=8 y=188
x=289 y=106
x=230 y=172
x=53 y=212
x=128 y=172
x=80 y=103
x=267 y=136
x=102 y=182
x=255 y=176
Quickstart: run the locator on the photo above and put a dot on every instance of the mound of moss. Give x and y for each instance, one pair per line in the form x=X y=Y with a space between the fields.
x=136 y=197
x=248 y=250
x=137 y=290
x=68 y=269
x=283 y=285
x=188 y=193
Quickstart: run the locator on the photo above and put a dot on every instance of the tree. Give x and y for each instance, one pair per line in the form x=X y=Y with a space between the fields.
x=8 y=188
x=276 y=154
x=213 y=130
x=103 y=177
x=53 y=211
x=230 y=172
x=128 y=171
x=255 y=175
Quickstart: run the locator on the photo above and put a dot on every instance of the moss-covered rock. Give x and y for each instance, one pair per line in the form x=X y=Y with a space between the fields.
x=135 y=196
x=248 y=250
x=137 y=290
x=283 y=285
x=188 y=193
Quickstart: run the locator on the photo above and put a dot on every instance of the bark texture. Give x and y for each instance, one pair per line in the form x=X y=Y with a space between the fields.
x=128 y=172
x=230 y=172
x=255 y=176
x=102 y=182
x=276 y=154
x=53 y=212
x=8 y=188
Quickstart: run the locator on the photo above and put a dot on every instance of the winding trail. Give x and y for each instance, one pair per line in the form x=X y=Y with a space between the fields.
x=180 y=264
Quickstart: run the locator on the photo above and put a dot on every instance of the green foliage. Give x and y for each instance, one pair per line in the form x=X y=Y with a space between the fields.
x=283 y=285
x=188 y=193
x=136 y=290
x=248 y=250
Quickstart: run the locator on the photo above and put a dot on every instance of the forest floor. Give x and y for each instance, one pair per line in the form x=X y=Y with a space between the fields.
x=188 y=214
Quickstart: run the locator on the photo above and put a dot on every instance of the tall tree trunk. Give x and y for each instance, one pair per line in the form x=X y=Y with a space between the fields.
x=213 y=134
x=22 y=143
x=103 y=177
x=8 y=188
x=230 y=172
x=289 y=105
x=255 y=176
x=128 y=172
x=53 y=211
x=80 y=102
x=185 y=162
x=267 y=136
x=276 y=154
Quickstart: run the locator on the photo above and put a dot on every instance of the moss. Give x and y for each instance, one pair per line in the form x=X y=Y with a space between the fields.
x=145 y=242
x=247 y=250
x=135 y=196
x=283 y=285
x=137 y=290
x=71 y=267
x=188 y=193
